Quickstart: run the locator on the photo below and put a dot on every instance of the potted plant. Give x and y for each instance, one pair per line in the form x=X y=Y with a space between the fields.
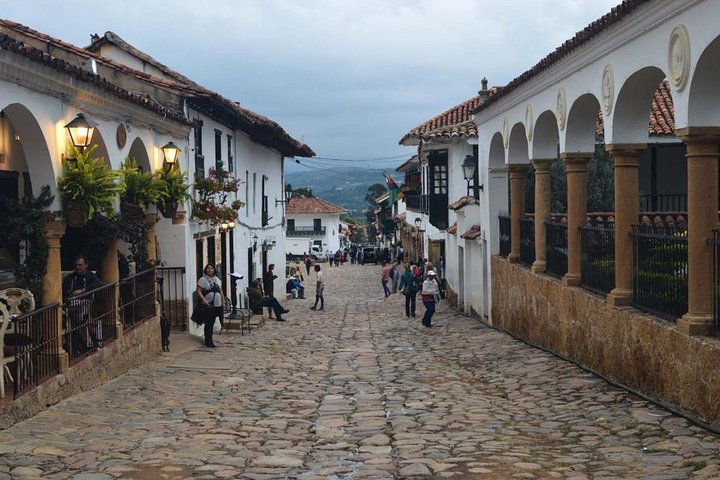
x=213 y=205
x=88 y=187
x=141 y=189
x=177 y=187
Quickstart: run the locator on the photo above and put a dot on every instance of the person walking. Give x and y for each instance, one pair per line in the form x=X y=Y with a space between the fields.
x=209 y=292
x=308 y=263
x=385 y=278
x=430 y=291
x=394 y=277
x=409 y=288
x=319 y=289
x=269 y=284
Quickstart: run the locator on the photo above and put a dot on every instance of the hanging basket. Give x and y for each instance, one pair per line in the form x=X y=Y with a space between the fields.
x=132 y=212
x=169 y=210
x=76 y=214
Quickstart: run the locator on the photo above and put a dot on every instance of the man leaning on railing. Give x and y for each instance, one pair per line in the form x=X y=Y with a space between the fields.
x=81 y=281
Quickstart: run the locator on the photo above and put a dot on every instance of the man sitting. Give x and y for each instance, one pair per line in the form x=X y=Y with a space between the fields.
x=258 y=301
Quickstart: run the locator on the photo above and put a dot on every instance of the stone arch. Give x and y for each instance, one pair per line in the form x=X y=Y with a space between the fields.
x=704 y=101
x=39 y=163
x=546 y=136
x=633 y=105
x=497 y=152
x=518 y=145
x=101 y=151
x=138 y=151
x=582 y=123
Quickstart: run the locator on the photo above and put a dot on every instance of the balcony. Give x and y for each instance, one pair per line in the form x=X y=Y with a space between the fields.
x=305 y=231
x=416 y=203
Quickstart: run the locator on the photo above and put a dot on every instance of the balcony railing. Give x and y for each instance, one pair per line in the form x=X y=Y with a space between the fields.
x=174 y=301
x=137 y=298
x=305 y=231
x=89 y=321
x=505 y=235
x=597 y=268
x=417 y=203
x=527 y=241
x=556 y=249
x=34 y=344
x=660 y=270
x=663 y=203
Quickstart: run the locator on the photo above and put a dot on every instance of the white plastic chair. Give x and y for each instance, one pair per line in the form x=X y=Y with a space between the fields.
x=5 y=320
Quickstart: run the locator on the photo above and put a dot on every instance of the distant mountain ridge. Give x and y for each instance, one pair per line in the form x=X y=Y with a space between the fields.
x=345 y=187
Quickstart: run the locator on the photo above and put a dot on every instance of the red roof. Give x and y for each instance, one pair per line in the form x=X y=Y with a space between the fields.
x=454 y=123
x=662 y=113
x=312 y=205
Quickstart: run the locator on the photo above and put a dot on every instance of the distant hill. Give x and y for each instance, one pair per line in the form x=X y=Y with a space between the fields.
x=346 y=187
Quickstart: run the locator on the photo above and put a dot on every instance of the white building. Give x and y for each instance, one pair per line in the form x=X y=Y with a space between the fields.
x=315 y=220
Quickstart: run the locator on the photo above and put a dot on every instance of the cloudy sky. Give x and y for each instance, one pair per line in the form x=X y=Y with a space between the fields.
x=348 y=77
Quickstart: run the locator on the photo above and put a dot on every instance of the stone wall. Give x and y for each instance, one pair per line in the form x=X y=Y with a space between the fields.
x=639 y=350
x=134 y=348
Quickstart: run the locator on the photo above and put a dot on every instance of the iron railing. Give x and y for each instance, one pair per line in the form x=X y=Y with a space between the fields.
x=89 y=321
x=174 y=301
x=137 y=298
x=309 y=231
x=597 y=263
x=505 y=235
x=34 y=344
x=556 y=249
x=663 y=203
x=417 y=203
x=527 y=241
x=715 y=242
x=660 y=270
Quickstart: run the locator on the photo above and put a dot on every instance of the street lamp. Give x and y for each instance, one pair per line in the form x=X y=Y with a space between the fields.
x=171 y=152
x=288 y=195
x=81 y=131
x=469 y=167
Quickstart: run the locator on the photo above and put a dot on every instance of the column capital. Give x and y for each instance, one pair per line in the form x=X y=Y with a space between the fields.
x=517 y=171
x=542 y=165
x=698 y=134
x=54 y=229
x=625 y=149
x=576 y=162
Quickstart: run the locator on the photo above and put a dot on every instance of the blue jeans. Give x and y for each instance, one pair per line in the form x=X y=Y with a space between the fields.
x=429 y=312
x=385 y=287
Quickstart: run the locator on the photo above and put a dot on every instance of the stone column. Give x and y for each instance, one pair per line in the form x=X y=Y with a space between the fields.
x=576 y=168
x=52 y=284
x=111 y=274
x=151 y=220
x=517 y=208
x=542 y=211
x=627 y=209
x=702 y=164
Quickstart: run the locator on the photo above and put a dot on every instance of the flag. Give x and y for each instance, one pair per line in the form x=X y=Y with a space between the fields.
x=392 y=188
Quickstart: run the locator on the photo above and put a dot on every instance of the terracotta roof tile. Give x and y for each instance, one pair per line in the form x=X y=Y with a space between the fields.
x=312 y=205
x=452 y=228
x=452 y=123
x=461 y=202
x=473 y=233
x=662 y=113
x=411 y=164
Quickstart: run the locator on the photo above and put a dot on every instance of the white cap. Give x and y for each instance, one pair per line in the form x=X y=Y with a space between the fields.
x=431 y=272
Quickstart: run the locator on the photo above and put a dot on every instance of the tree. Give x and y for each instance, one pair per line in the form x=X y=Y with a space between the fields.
x=301 y=191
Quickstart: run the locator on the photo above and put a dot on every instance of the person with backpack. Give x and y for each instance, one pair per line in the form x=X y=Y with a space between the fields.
x=430 y=292
x=409 y=286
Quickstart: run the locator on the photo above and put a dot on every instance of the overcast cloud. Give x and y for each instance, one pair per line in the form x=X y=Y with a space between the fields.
x=349 y=78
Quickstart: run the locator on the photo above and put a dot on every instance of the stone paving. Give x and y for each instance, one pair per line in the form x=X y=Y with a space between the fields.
x=359 y=391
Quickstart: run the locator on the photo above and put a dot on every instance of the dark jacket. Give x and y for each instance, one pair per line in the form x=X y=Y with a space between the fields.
x=255 y=295
x=88 y=281
x=268 y=284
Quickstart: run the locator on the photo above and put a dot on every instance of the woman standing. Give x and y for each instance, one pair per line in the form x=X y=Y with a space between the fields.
x=430 y=291
x=409 y=287
x=209 y=291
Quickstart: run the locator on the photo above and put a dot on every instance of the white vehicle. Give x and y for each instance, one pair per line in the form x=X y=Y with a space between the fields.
x=296 y=248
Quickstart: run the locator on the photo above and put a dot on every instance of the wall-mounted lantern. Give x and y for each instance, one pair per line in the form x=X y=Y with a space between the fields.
x=81 y=130
x=171 y=153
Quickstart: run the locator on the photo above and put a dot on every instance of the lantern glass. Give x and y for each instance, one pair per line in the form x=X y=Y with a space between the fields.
x=469 y=167
x=81 y=131
x=288 y=194
x=171 y=153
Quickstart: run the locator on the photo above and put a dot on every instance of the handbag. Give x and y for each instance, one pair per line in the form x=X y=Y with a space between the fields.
x=200 y=313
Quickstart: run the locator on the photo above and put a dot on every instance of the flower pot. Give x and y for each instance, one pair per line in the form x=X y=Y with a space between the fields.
x=132 y=212
x=76 y=214
x=169 y=210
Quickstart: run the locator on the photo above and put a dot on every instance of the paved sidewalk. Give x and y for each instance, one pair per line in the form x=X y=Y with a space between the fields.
x=358 y=391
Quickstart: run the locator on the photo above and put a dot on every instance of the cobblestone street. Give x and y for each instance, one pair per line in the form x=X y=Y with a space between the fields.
x=359 y=391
